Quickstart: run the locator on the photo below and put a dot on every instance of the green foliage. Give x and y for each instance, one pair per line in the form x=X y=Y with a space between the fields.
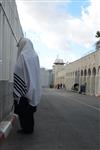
x=97 y=34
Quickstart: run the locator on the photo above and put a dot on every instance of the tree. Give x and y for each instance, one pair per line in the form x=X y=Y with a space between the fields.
x=97 y=34
x=98 y=42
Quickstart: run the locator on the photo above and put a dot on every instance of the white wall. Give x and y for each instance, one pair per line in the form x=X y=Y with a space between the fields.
x=44 y=77
x=10 y=33
x=72 y=73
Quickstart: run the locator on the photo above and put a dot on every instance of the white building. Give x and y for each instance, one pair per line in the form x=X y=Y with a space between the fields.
x=10 y=33
x=58 y=67
x=85 y=70
x=46 y=77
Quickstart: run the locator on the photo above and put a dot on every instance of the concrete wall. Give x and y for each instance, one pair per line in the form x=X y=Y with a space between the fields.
x=46 y=77
x=10 y=33
x=51 y=78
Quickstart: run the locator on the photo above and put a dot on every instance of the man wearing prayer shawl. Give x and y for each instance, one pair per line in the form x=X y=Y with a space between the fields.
x=26 y=89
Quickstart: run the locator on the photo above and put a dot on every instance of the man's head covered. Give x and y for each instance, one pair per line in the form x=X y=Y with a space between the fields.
x=24 y=43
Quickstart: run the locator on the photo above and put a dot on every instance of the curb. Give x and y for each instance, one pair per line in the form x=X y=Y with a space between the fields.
x=6 y=126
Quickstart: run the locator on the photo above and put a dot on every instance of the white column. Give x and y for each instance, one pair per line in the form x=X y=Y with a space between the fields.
x=80 y=82
x=88 y=84
x=92 y=85
x=86 y=80
x=97 y=84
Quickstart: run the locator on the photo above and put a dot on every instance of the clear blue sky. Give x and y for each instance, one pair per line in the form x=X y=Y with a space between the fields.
x=66 y=28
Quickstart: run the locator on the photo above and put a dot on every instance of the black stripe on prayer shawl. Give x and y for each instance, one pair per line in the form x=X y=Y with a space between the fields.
x=18 y=78
x=18 y=89
x=19 y=85
x=24 y=88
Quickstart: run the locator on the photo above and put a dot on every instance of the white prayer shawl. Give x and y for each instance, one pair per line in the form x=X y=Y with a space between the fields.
x=27 y=73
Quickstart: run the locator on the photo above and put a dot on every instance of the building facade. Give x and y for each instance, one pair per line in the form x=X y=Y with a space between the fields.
x=86 y=70
x=46 y=77
x=10 y=33
x=58 y=67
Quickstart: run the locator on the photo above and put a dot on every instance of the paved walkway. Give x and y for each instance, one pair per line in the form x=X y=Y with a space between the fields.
x=64 y=121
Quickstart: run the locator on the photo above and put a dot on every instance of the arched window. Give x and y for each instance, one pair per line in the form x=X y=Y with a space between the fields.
x=81 y=72
x=89 y=72
x=85 y=72
x=94 y=71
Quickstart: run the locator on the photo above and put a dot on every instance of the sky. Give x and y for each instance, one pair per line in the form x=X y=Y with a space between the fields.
x=63 y=29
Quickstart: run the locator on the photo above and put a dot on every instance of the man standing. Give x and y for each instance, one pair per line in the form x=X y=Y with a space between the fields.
x=27 y=89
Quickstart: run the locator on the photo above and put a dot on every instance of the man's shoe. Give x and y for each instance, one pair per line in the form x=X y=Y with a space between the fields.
x=21 y=131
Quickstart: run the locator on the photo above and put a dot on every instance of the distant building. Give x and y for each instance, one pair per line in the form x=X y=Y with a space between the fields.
x=85 y=70
x=57 y=67
x=51 y=78
x=46 y=77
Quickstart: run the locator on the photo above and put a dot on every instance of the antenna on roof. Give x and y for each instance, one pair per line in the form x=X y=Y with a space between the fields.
x=57 y=56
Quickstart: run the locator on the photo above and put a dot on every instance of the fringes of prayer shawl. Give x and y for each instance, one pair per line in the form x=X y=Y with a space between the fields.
x=19 y=86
